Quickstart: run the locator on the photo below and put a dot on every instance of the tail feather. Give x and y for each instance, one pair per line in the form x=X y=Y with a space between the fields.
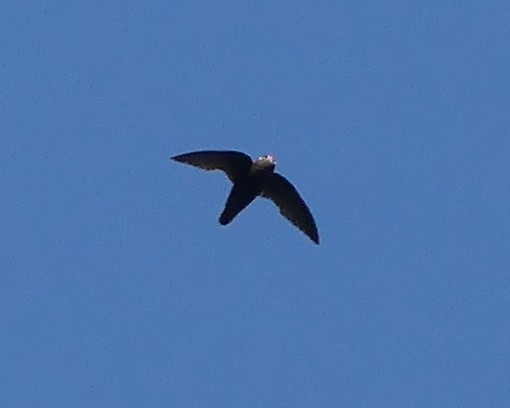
x=238 y=200
x=226 y=217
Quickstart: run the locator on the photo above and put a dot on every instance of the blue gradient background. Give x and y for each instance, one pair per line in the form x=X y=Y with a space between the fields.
x=120 y=289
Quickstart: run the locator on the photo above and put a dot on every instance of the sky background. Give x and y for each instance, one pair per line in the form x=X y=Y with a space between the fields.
x=120 y=289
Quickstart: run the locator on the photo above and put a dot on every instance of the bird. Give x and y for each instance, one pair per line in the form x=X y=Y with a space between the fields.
x=250 y=179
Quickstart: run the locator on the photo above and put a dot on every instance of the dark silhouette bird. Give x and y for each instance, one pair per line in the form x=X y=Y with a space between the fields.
x=252 y=179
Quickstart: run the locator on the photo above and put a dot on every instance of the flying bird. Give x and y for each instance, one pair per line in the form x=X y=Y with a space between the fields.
x=251 y=179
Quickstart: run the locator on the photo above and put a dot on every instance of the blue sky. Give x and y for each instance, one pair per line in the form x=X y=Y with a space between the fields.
x=120 y=288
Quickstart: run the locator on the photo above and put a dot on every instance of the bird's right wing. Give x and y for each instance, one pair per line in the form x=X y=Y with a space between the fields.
x=234 y=164
x=279 y=190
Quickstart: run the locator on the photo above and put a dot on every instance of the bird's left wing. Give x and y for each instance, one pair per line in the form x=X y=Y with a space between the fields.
x=279 y=190
x=234 y=164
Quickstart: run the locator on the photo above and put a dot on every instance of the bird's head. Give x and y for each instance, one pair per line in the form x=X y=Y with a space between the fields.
x=266 y=162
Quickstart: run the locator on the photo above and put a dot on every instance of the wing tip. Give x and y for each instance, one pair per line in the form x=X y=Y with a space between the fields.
x=315 y=239
x=177 y=158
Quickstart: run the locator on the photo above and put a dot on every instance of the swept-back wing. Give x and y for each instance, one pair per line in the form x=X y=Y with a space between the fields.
x=234 y=164
x=279 y=190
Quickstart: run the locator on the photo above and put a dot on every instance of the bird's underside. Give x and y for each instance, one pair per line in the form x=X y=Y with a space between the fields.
x=251 y=179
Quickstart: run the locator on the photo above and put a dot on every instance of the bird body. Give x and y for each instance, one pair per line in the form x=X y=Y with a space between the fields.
x=251 y=179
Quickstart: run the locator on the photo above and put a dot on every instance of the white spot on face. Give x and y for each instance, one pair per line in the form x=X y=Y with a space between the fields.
x=267 y=158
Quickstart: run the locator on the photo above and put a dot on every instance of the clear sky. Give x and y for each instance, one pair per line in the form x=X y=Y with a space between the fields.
x=120 y=289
